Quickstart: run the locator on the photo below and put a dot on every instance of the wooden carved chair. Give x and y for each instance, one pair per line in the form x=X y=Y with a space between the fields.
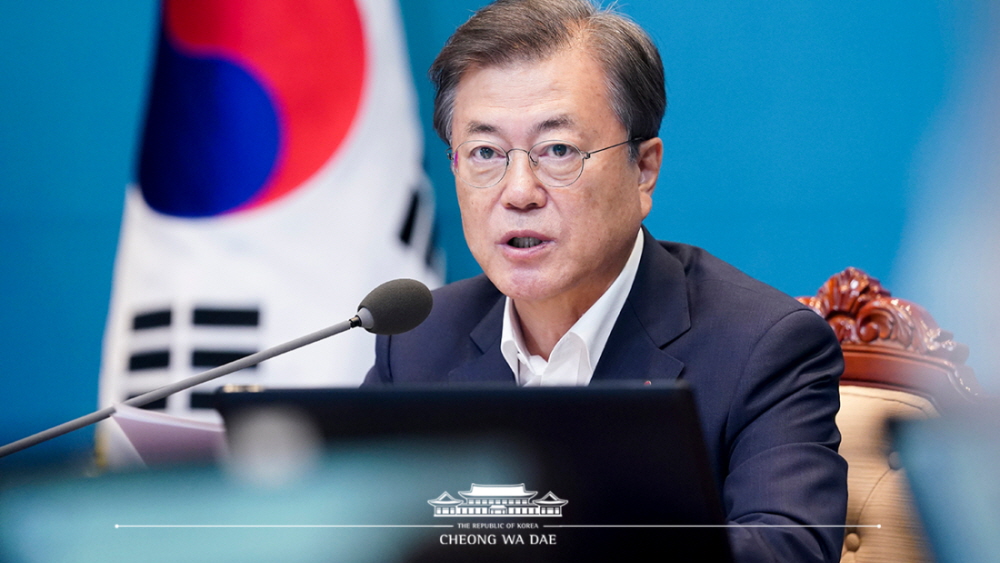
x=898 y=364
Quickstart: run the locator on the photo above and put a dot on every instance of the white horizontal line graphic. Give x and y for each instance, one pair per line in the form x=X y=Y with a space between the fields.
x=283 y=526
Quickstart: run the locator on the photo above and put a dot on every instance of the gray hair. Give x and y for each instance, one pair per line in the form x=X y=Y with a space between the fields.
x=512 y=31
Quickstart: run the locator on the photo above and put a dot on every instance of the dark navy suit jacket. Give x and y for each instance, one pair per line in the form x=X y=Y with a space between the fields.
x=763 y=368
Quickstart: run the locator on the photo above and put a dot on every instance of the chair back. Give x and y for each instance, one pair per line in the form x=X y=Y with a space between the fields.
x=897 y=364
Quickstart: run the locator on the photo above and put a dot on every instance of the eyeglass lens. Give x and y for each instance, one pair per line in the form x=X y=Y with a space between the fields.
x=482 y=164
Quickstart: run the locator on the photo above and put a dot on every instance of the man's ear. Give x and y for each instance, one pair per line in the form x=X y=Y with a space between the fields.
x=649 y=161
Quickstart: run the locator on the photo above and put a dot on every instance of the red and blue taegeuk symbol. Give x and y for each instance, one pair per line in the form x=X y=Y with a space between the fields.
x=249 y=99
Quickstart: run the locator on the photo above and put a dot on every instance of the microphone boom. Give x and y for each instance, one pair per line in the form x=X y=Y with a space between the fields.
x=391 y=308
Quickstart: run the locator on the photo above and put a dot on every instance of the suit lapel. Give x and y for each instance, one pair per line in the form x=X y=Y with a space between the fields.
x=655 y=314
x=491 y=366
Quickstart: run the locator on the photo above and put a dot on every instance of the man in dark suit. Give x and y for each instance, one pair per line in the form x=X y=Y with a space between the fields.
x=552 y=110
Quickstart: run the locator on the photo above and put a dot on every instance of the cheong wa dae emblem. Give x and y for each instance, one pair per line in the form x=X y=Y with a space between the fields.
x=497 y=500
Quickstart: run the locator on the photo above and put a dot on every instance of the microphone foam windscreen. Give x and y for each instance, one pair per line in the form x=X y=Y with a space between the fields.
x=397 y=306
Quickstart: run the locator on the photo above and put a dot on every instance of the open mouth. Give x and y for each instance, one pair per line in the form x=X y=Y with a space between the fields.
x=524 y=242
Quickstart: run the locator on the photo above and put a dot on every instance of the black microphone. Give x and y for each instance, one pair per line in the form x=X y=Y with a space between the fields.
x=391 y=308
x=396 y=306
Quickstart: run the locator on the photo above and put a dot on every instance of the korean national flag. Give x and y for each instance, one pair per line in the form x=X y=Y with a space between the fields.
x=279 y=180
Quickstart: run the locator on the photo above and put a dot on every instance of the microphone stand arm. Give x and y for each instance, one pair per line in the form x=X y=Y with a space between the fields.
x=189 y=382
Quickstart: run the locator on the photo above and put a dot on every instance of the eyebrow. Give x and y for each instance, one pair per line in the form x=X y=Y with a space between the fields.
x=479 y=127
x=557 y=122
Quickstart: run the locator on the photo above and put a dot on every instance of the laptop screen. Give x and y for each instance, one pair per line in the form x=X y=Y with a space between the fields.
x=603 y=467
x=402 y=475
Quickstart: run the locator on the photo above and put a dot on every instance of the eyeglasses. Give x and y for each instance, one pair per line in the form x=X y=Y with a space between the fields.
x=556 y=164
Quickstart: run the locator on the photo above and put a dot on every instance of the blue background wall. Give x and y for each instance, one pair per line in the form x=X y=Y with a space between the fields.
x=798 y=137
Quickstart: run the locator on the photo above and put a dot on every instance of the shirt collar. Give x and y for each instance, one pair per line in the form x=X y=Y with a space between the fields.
x=592 y=329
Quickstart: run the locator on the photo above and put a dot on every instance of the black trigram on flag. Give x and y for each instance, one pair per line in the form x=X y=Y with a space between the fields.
x=173 y=343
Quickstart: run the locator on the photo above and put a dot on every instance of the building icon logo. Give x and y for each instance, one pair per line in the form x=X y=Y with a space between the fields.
x=497 y=500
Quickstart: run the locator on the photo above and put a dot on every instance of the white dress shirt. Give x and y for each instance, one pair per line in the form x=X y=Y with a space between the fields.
x=575 y=356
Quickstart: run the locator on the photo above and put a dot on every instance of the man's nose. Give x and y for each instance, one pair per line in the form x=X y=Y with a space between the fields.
x=521 y=188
